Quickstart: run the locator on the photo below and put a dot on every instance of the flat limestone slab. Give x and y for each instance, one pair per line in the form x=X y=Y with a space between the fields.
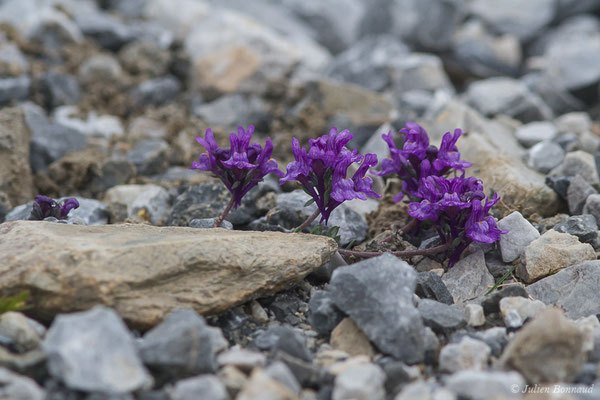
x=144 y=271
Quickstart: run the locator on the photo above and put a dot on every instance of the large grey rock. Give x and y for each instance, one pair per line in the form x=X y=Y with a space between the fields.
x=575 y=289
x=550 y=253
x=183 y=344
x=144 y=272
x=377 y=295
x=483 y=385
x=525 y=20
x=501 y=95
x=93 y=351
x=520 y=234
x=17 y=387
x=528 y=351
x=469 y=278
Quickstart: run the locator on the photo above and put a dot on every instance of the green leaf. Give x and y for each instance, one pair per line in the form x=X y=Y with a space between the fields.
x=14 y=303
x=309 y=202
x=506 y=275
x=456 y=241
x=317 y=230
x=349 y=246
x=333 y=231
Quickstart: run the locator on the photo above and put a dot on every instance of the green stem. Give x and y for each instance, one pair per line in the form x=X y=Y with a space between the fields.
x=403 y=253
x=506 y=275
x=308 y=221
x=220 y=219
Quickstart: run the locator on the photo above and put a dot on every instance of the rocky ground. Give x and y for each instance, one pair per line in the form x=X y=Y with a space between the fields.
x=132 y=300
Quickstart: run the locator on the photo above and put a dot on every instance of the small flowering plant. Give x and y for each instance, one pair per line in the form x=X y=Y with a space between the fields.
x=44 y=207
x=416 y=159
x=322 y=171
x=240 y=167
x=454 y=207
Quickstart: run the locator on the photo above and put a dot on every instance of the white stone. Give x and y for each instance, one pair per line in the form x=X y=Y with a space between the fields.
x=467 y=354
x=520 y=234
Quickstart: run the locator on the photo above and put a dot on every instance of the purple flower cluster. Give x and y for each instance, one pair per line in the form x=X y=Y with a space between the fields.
x=416 y=159
x=44 y=207
x=455 y=208
x=322 y=171
x=241 y=166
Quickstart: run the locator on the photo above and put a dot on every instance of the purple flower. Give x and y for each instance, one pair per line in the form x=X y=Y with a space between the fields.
x=240 y=167
x=322 y=171
x=45 y=207
x=417 y=159
x=455 y=209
